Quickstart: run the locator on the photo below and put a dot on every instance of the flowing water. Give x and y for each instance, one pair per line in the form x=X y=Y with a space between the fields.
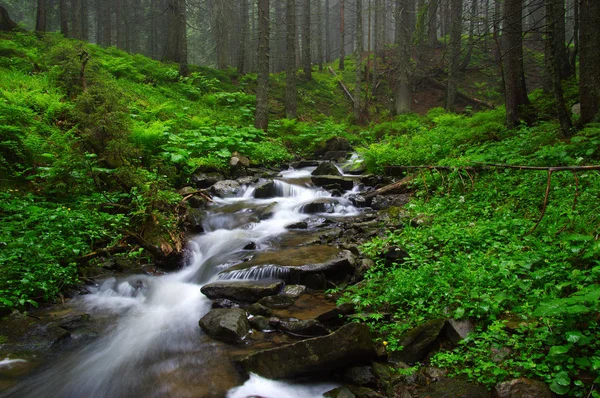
x=152 y=344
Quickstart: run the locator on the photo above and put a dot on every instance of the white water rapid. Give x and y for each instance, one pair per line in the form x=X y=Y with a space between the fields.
x=152 y=345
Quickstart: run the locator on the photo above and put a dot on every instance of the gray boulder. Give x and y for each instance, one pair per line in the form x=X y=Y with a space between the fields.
x=521 y=388
x=349 y=345
x=345 y=183
x=226 y=324
x=244 y=291
x=418 y=342
x=326 y=169
x=202 y=179
x=305 y=328
x=226 y=188
x=265 y=190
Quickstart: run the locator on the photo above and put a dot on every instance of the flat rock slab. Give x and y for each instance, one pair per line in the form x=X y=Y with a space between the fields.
x=349 y=345
x=317 y=258
x=243 y=291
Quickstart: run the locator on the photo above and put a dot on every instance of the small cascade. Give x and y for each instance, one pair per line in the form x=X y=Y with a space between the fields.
x=257 y=273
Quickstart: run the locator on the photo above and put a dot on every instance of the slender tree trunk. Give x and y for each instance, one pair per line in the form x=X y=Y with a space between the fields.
x=176 y=42
x=327 y=33
x=589 y=60
x=64 y=18
x=496 y=31
x=554 y=64
x=106 y=23
x=320 y=34
x=41 y=16
x=403 y=97
x=575 y=52
x=454 y=56
x=358 y=55
x=306 y=54
x=241 y=67
x=432 y=23
x=261 y=120
x=291 y=111
x=342 y=34
x=220 y=32
x=76 y=28
x=119 y=24
x=85 y=20
x=514 y=82
x=182 y=42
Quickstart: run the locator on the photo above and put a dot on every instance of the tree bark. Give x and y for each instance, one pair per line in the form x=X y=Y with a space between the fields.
x=119 y=24
x=432 y=26
x=176 y=42
x=342 y=34
x=358 y=56
x=220 y=33
x=454 y=56
x=85 y=20
x=555 y=60
x=514 y=81
x=41 y=16
x=403 y=98
x=589 y=60
x=261 y=120
x=327 y=33
x=244 y=28
x=106 y=23
x=64 y=18
x=291 y=93
x=6 y=24
x=76 y=30
x=320 y=34
x=306 y=53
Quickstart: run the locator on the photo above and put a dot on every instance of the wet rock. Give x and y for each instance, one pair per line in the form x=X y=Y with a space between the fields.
x=349 y=345
x=197 y=202
x=298 y=225
x=454 y=388
x=308 y=327
x=250 y=246
x=364 y=392
x=194 y=219
x=226 y=188
x=326 y=169
x=335 y=190
x=204 y=179
x=356 y=168
x=224 y=303
x=335 y=156
x=267 y=212
x=340 y=392
x=265 y=190
x=238 y=160
x=323 y=205
x=360 y=375
x=521 y=388
x=226 y=324
x=359 y=200
x=243 y=291
x=323 y=180
x=455 y=331
x=333 y=144
x=75 y=321
x=381 y=202
x=260 y=322
x=294 y=290
x=259 y=309
x=418 y=342
x=304 y=163
x=278 y=301
x=314 y=281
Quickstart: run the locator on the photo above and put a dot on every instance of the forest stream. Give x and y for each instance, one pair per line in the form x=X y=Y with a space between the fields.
x=145 y=340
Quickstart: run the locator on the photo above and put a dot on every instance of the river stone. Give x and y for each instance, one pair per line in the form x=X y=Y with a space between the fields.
x=226 y=188
x=259 y=309
x=335 y=156
x=294 y=290
x=238 y=160
x=226 y=324
x=382 y=202
x=305 y=328
x=322 y=205
x=521 y=388
x=334 y=144
x=244 y=291
x=194 y=219
x=277 y=301
x=345 y=183
x=359 y=375
x=340 y=392
x=349 y=345
x=202 y=179
x=455 y=388
x=259 y=322
x=265 y=190
x=326 y=169
x=418 y=342
x=298 y=225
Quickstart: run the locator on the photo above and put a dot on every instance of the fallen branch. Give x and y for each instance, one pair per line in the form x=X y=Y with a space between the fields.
x=346 y=91
x=390 y=188
x=201 y=193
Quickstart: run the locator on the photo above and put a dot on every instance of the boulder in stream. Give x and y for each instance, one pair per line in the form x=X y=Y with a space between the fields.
x=242 y=291
x=226 y=188
x=345 y=183
x=265 y=190
x=326 y=169
x=349 y=345
x=229 y=325
x=205 y=179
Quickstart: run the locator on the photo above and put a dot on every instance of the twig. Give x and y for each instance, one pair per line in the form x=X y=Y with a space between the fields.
x=545 y=202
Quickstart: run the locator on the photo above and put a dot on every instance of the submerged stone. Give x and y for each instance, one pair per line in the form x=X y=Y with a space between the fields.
x=349 y=345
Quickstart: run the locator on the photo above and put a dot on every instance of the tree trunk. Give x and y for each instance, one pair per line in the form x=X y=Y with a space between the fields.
x=342 y=34
x=403 y=100
x=555 y=58
x=432 y=26
x=306 y=55
x=514 y=81
x=244 y=27
x=220 y=33
x=85 y=20
x=589 y=60
x=176 y=43
x=261 y=120
x=76 y=31
x=320 y=34
x=327 y=33
x=64 y=18
x=41 y=17
x=454 y=56
x=119 y=24
x=6 y=24
x=291 y=111
x=182 y=40
x=358 y=55
x=106 y=23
